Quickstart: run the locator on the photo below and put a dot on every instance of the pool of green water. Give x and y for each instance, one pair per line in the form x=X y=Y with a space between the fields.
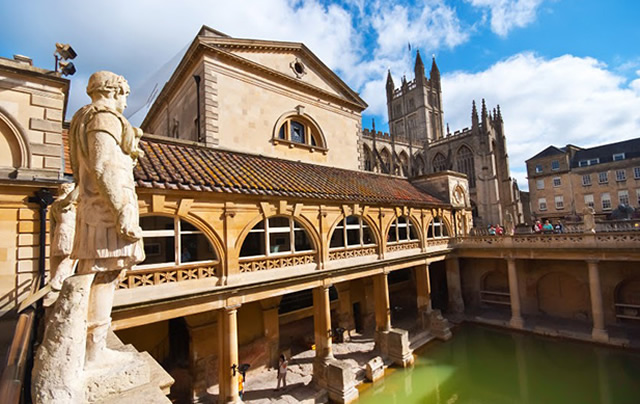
x=481 y=365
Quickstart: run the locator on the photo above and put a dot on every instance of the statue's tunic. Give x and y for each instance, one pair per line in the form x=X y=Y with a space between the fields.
x=97 y=235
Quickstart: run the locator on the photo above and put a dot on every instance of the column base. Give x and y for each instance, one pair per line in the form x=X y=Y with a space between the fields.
x=516 y=322
x=394 y=344
x=338 y=378
x=439 y=326
x=600 y=335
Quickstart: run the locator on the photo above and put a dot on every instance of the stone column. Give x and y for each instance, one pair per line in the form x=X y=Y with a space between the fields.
x=271 y=323
x=228 y=355
x=322 y=322
x=514 y=295
x=382 y=305
x=345 y=309
x=599 y=332
x=423 y=292
x=456 y=304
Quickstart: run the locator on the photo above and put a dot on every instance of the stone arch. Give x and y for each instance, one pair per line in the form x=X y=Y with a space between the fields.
x=562 y=295
x=627 y=292
x=299 y=114
x=212 y=236
x=369 y=162
x=439 y=162
x=465 y=163
x=370 y=222
x=385 y=157
x=404 y=164
x=301 y=220
x=415 y=224
x=14 y=146
x=495 y=281
x=445 y=222
x=418 y=165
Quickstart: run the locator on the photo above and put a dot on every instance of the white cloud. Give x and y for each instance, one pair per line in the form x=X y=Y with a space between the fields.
x=432 y=25
x=509 y=14
x=548 y=102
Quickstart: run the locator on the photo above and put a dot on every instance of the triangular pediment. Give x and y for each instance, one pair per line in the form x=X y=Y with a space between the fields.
x=289 y=60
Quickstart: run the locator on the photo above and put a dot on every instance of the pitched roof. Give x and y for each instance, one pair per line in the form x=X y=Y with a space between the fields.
x=549 y=151
x=171 y=165
x=631 y=149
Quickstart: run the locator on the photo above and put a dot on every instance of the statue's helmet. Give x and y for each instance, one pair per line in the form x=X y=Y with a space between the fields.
x=107 y=82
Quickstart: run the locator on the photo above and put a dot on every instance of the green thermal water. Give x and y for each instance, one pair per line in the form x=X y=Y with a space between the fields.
x=487 y=366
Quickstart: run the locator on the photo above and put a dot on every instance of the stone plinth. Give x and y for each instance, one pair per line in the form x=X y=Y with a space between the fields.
x=375 y=369
x=341 y=382
x=394 y=344
x=439 y=326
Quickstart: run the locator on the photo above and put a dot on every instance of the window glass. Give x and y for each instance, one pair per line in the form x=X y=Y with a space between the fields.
x=195 y=247
x=297 y=132
x=542 y=204
x=157 y=223
x=586 y=179
x=555 y=165
x=603 y=177
x=621 y=175
x=538 y=168
x=557 y=182
x=254 y=243
x=559 y=202
x=367 y=237
x=636 y=172
x=279 y=242
x=280 y=231
x=540 y=184
x=623 y=197
x=159 y=250
x=437 y=228
x=588 y=200
x=301 y=241
x=606 y=201
x=618 y=156
x=337 y=238
x=281 y=133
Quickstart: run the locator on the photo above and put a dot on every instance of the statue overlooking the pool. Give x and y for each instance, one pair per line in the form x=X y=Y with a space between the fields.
x=73 y=363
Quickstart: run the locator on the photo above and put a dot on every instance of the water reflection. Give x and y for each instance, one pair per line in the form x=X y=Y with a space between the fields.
x=488 y=366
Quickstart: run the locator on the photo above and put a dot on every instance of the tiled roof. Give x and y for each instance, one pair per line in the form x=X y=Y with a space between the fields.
x=170 y=165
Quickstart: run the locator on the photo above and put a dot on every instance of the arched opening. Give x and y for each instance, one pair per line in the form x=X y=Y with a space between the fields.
x=171 y=241
x=402 y=230
x=298 y=128
x=439 y=163
x=14 y=148
x=385 y=158
x=275 y=236
x=352 y=232
x=404 y=164
x=437 y=228
x=465 y=164
x=562 y=295
x=368 y=158
x=418 y=165
x=494 y=289
x=627 y=301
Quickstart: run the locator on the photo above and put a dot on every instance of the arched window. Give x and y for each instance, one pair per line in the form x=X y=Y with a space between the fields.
x=352 y=231
x=404 y=163
x=418 y=165
x=465 y=164
x=439 y=163
x=437 y=228
x=401 y=231
x=276 y=236
x=299 y=130
x=173 y=241
x=385 y=156
x=368 y=161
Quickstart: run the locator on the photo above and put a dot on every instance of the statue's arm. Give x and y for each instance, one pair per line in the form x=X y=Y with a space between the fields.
x=112 y=180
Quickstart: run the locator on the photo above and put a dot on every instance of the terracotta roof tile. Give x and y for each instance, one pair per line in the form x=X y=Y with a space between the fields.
x=170 y=165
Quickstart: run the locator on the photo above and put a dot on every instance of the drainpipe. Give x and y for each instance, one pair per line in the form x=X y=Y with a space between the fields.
x=197 y=79
x=44 y=198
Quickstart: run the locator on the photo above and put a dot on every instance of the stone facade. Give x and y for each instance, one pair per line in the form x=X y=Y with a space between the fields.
x=417 y=145
x=563 y=181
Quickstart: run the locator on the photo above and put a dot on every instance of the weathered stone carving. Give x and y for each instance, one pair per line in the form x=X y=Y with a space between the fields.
x=108 y=240
x=63 y=223
x=589 y=219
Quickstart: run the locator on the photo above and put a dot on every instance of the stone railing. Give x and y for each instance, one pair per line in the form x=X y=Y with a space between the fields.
x=352 y=252
x=444 y=241
x=263 y=264
x=403 y=246
x=157 y=276
x=565 y=240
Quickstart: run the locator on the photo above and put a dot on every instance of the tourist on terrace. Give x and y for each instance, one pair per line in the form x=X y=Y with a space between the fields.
x=537 y=227
x=558 y=228
x=282 y=372
x=492 y=230
x=547 y=227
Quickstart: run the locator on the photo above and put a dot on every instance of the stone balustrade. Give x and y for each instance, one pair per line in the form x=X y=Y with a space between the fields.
x=606 y=240
x=157 y=276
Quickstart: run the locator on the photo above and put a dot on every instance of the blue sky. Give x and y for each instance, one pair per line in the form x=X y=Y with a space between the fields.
x=563 y=71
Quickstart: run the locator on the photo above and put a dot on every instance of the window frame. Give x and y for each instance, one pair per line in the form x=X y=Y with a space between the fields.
x=607 y=199
x=267 y=231
x=621 y=175
x=586 y=177
x=589 y=201
x=312 y=132
x=623 y=193
x=408 y=224
x=540 y=183
x=538 y=168
x=177 y=232
x=557 y=182
x=437 y=222
x=542 y=204
x=559 y=202
x=636 y=173
x=555 y=165
x=618 y=156
x=344 y=227
x=605 y=175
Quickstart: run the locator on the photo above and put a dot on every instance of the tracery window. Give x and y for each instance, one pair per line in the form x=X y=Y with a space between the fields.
x=402 y=231
x=385 y=156
x=465 y=165
x=437 y=228
x=439 y=163
x=173 y=241
x=368 y=161
x=352 y=231
x=276 y=236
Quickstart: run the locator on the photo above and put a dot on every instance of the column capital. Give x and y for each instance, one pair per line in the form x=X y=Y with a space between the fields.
x=232 y=307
